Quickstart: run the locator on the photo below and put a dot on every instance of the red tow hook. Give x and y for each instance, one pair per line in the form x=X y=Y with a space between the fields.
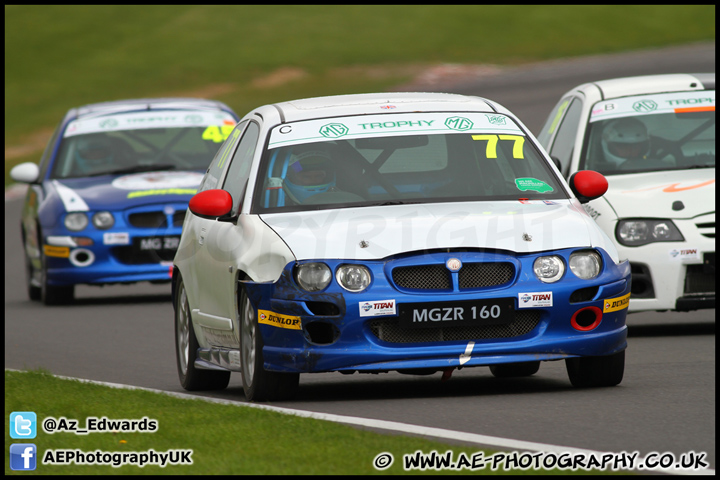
x=447 y=373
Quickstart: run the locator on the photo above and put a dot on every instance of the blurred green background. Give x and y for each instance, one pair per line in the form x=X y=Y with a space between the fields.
x=58 y=57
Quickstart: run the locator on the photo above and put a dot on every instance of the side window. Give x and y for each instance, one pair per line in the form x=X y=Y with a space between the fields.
x=218 y=164
x=49 y=150
x=239 y=170
x=562 y=146
x=552 y=122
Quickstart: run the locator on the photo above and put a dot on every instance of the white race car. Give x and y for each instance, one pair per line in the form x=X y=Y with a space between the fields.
x=653 y=137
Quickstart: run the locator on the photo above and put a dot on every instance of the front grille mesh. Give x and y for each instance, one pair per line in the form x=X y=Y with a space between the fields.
x=438 y=277
x=388 y=330
x=698 y=281
x=479 y=275
x=148 y=220
x=422 y=277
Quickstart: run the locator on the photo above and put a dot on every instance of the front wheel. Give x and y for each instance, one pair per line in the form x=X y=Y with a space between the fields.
x=186 y=346
x=53 y=294
x=606 y=371
x=260 y=385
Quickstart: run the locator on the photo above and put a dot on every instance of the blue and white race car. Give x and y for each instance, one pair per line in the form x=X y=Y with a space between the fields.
x=392 y=232
x=106 y=203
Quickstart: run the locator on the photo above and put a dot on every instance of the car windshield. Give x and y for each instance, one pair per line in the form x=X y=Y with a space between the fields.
x=400 y=159
x=141 y=142
x=651 y=133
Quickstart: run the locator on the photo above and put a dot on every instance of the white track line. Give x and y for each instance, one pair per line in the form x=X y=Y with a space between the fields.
x=480 y=440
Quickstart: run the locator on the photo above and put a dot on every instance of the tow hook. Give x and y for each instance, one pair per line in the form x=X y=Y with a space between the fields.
x=447 y=373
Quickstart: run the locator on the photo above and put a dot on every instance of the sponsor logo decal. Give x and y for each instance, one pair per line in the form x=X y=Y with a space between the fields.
x=116 y=238
x=60 y=252
x=377 y=307
x=615 y=304
x=277 y=320
x=535 y=299
x=690 y=253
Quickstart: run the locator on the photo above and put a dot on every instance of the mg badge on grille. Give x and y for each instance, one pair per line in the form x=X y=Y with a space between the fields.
x=453 y=264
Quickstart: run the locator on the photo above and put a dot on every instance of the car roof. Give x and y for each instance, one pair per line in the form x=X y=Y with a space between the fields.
x=627 y=86
x=118 y=106
x=373 y=103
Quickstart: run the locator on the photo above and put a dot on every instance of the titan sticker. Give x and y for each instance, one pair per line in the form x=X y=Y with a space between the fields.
x=377 y=307
x=535 y=299
x=277 y=320
x=615 y=304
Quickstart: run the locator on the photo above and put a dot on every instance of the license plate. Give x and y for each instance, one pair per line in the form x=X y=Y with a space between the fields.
x=498 y=311
x=151 y=244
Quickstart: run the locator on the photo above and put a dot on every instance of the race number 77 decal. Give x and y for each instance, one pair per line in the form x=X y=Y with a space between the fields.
x=491 y=149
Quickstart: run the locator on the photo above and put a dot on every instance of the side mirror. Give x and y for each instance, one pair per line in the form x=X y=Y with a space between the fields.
x=211 y=203
x=588 y=185
x=27 y=172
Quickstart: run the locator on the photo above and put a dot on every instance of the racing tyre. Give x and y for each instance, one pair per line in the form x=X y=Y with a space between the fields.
x=186 y=347
x=508 y=370
x=260 y=385
x=34 y=291
x=604 y=371
x=53 y=294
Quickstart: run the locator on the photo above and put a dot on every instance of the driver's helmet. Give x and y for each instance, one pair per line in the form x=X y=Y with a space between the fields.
x=93 y=153
x=625 y=139
x=309 y=173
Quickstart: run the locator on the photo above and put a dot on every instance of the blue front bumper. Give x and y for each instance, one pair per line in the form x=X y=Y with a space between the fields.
x=335 y=337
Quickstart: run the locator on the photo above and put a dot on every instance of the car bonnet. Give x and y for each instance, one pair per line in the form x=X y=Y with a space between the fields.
x=371 y=233
x=656 y=194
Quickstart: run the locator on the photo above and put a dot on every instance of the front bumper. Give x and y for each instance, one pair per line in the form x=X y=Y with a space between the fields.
x=325 y=331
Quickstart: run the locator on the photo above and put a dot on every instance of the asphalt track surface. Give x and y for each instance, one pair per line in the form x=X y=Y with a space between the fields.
x=666 y=402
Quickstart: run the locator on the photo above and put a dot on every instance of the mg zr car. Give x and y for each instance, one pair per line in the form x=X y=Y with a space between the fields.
x=392 y=232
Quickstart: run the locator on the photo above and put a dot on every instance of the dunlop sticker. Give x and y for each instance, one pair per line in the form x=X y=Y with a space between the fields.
x=276 y=320
x=61 y=252
x=615 y=304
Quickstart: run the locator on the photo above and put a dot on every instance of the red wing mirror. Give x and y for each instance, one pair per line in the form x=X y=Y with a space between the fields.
x=588 y=185
x=211 y=203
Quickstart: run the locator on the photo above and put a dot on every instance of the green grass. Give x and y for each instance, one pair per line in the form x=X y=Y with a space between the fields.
x=225 y=439
x=60 y=56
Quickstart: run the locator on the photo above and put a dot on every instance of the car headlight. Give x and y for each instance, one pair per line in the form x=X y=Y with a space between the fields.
x=313 y=277
x=353 y=278
x=103 y=220
x=633 y=233
x=76 y=221
x=585 y=264
x=549 y=269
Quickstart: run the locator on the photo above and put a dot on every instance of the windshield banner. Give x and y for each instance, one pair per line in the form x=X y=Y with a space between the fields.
x=361 y=126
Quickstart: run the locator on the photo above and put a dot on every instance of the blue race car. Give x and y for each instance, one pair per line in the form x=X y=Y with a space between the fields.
x=107 y=201
x=392 y=232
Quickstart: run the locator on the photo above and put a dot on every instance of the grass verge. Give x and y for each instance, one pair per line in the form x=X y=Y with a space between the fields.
x=224 y=439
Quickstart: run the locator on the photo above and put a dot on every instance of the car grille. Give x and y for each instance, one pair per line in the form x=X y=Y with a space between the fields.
x=129 y=256
x=157 y=219
x=698 y=280
x=438 y=277
x=388 y=330
x=707 y=229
